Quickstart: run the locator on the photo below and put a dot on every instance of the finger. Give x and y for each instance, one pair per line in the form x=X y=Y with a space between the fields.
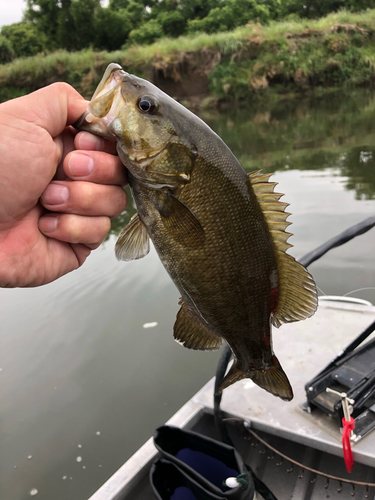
x=84 y=198
x=95 y=166
x=87 y=141
x=82 y=252
x=65 y=143
x=75 y=229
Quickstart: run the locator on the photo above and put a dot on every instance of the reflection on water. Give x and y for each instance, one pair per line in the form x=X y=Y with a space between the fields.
x=84 y=383
x=333 y=131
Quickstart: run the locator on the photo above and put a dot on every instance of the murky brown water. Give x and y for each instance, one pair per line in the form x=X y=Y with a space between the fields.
x=83 y=383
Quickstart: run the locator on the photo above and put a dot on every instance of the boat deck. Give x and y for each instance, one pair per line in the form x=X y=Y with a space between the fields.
x=303 y=349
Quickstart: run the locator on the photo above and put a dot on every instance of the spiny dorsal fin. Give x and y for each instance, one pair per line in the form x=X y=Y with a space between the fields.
x=257 y=178
x=297 y=291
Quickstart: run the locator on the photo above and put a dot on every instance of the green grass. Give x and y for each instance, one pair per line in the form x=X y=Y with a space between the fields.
x=283 y=57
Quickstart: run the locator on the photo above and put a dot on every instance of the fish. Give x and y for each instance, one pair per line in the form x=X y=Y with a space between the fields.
x=219 y=232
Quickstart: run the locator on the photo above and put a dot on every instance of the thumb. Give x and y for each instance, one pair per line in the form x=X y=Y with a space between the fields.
x=52 y=107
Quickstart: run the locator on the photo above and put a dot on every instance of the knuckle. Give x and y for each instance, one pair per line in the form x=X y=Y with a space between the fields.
x=87 y=198
x=72 y=226
x=119 y=203
x=106 y=226
x=103 y=225
x=61 y=87
x=77 y=229
x=124 y=202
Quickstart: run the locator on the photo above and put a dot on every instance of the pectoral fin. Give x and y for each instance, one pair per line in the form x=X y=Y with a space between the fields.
x=180 y=221
x=133 y=243
x=192 y=332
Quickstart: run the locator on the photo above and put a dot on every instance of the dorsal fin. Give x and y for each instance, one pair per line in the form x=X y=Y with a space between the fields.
x=297 y=292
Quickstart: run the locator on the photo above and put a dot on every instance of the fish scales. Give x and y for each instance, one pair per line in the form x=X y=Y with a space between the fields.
x=219 y=232
x=224 y=292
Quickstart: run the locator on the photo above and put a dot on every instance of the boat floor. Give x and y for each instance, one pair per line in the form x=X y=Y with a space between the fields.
x=285 y=485
x=303 y=349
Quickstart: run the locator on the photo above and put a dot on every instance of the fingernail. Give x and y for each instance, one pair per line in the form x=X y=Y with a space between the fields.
x=48 y=223
x=80 y=165
x=55 y=194
x=90 y=141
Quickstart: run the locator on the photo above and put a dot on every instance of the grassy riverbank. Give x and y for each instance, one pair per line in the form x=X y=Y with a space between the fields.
x=285 y=57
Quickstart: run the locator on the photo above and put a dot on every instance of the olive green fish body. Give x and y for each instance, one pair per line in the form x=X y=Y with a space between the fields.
x=227 y=276
x=219 y=232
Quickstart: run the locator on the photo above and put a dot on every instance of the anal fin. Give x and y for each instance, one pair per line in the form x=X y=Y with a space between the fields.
x=133 y=243
x=192 y=332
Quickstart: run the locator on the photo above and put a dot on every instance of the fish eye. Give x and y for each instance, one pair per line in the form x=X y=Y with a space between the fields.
x=146 y=104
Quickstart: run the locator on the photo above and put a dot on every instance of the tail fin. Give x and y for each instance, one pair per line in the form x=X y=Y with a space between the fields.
x=272 y=379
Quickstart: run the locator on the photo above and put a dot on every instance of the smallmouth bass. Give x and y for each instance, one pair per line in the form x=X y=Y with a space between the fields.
x=219 y=232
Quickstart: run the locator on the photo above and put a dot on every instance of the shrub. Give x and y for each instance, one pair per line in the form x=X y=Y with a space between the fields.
x=24 y=39
x=147 y=33
x=230 y=80
x=234 y=13
x=173 y=23
x=6 y=50
x=111 y=29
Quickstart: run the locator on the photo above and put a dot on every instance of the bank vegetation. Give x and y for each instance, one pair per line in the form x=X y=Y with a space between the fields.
x=250 y=62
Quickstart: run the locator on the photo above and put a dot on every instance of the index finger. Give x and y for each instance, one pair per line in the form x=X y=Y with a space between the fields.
x=87 y=141
x=95 y=166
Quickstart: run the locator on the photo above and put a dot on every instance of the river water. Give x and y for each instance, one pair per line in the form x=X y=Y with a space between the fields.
x=88 y=364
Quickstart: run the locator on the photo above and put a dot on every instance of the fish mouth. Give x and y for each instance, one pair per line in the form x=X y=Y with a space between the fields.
x=112 y=77
x=102 y=109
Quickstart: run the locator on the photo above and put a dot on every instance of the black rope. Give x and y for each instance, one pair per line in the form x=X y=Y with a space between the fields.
x=218 y=414
x=347 y=235
x=260 y=487
x=340 y=239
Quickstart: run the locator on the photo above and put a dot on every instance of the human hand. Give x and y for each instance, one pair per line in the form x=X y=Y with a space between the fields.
x=58 y=190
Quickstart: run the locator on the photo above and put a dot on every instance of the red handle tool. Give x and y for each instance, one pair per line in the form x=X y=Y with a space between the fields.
x=348 y=426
